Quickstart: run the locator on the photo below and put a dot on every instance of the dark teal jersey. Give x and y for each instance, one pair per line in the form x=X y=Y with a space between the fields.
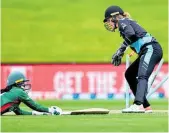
x=134 y=35
x=11 y=100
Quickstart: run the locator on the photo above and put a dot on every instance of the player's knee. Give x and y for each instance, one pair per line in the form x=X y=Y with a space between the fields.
x=131 y=78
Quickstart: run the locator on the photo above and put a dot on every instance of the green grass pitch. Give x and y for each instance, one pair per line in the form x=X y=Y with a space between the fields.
x=155 y=122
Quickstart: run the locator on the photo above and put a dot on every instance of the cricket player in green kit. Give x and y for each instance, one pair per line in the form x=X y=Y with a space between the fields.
x=16 y=92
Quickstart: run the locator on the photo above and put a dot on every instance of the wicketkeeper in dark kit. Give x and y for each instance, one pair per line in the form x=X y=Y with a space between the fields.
x=16 y=92
x=144 y=44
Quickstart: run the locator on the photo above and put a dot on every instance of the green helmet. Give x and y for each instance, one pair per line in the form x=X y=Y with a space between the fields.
x=15 y=78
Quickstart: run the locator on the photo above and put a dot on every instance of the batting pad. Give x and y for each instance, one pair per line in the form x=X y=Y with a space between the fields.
x=91 y=111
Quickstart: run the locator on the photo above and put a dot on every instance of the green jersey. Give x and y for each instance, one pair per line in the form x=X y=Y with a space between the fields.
x=10 y=102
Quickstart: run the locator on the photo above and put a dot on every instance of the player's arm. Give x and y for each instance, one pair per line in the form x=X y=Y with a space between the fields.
x=18 y=111
x=31 y=103
x=129 y=37
x=23 y=97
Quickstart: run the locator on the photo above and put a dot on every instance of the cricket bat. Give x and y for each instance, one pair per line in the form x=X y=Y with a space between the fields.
x=87 y=111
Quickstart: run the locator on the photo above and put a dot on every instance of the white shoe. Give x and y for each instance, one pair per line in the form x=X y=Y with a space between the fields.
x=134 y=109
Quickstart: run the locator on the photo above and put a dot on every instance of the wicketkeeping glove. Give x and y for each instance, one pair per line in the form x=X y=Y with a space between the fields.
x=116 y=58
x=54 y=110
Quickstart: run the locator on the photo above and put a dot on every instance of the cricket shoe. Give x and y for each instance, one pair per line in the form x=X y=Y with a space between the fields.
x=148 y=109
x=134 y=109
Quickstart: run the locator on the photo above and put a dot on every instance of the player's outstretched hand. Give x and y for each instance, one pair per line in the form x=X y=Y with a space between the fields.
x=116 y=58
x=54 y=110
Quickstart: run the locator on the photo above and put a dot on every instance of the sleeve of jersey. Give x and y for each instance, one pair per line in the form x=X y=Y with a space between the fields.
x=19 y=111
x=128 y=32
x=32 y=104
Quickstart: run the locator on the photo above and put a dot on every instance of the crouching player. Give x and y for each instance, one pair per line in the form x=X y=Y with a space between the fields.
x=144 y=44
x=16 y=92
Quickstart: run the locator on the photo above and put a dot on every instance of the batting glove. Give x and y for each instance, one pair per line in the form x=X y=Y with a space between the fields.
x=54 y=110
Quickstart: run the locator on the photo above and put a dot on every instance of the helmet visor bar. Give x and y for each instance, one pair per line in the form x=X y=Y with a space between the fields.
x=111 y=15
x=114 y=13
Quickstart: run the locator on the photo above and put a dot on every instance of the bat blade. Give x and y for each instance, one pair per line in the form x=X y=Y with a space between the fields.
x=91 y=111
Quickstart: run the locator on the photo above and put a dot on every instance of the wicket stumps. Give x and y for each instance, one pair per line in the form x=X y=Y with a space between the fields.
x=150 y=82
x=127 y=96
